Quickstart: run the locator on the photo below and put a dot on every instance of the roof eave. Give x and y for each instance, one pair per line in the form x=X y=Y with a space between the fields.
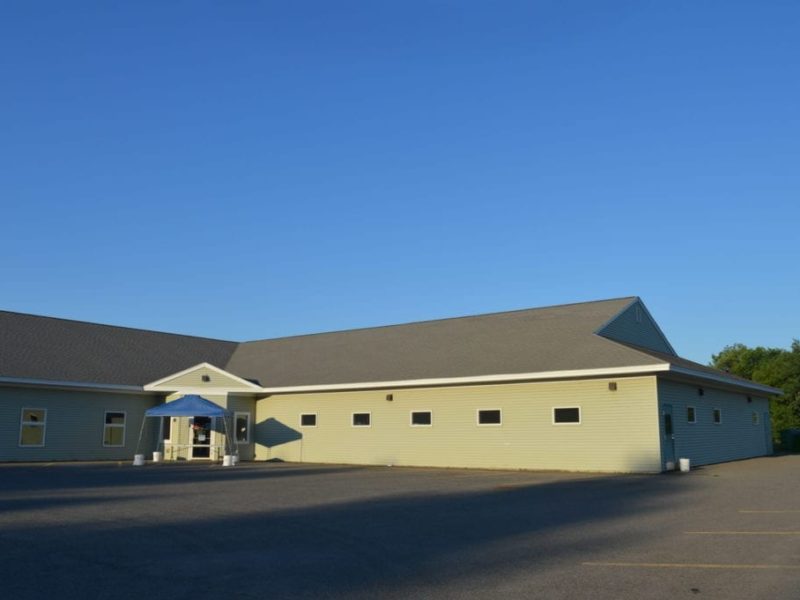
x=724 y=379
x=472 y=380
x=76 y=385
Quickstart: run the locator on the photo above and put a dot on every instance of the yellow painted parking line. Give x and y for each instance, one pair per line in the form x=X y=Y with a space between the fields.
x=769 y=512
x=691 y=566
x=742 y=532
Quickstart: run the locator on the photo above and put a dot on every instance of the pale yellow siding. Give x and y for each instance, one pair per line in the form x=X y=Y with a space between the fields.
x=194 y=380
x=618 y=430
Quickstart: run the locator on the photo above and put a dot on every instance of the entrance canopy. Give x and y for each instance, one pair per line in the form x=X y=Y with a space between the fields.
x=188 y=406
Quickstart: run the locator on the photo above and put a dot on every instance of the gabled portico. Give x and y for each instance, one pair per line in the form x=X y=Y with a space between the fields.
x=201 y=437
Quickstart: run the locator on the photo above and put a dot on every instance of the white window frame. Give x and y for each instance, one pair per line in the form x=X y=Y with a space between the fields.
x=236 y=416
x=352 y=419
x=316 y=418
x=124 y=427
x=411 y=418
x=478 y=417
x=42 y=424
x=713 y=419
x=694 y=411
x=580 y=415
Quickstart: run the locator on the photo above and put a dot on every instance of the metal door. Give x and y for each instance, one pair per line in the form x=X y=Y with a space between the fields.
x=667 y=437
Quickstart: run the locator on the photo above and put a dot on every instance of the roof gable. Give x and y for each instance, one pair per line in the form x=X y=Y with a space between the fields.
x=203 y=377
x=635 y=325
x=557 y=338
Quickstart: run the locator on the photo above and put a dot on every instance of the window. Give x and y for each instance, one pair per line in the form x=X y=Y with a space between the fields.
x=114 y=429
x=166 y=428
x=308 y=420
x=490 y=417
x=421 y=418
x=32 y=427
x=571 y=414
x=690 y=417
x=241 y=426
x=361 y=419
x=755 y=418
x=717 y=416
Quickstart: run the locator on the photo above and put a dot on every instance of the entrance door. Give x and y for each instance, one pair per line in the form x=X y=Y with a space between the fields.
x=201 y=437
x=667 y=436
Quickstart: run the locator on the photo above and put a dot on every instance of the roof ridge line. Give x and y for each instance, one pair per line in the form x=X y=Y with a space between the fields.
x=186 y=335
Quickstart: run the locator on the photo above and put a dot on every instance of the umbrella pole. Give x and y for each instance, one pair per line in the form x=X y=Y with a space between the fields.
x=141 y=431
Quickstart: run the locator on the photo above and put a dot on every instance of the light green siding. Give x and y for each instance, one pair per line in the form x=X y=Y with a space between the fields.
x=618 y=430
x=75 y=423
x=705 y=442
x=634 y=326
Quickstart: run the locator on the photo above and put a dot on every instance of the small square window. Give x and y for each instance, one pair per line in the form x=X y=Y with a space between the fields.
x=490 y=417
x=690 y=416
x=308 y=420
x=361 y=419
x=421 y=418
x=570 y=414
x=717 y=416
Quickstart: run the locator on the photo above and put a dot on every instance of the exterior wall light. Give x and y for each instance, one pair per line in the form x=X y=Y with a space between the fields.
x=389 y=397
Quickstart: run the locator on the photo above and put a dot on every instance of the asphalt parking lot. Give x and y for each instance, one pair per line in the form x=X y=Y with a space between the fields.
x=280 y=530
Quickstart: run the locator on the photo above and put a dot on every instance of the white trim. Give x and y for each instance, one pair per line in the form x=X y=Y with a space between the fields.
x=352 y=419
x=124 y=427
x=300 y=420
x=236 y=433
x=411 y=418
x=478 y=412
x=580 y=415
x=203 y=365
x=694 y=414
x=510 y=377
x=71 y=384
x=22 y=423
x=713 y=416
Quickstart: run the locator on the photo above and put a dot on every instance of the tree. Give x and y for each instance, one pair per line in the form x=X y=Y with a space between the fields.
x=775 y=367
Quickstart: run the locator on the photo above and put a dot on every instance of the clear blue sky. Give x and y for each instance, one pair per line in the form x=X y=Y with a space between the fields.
x=245 y=170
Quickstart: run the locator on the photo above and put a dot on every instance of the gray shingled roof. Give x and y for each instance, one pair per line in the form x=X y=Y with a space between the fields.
x=34 y=347
x=558 y=338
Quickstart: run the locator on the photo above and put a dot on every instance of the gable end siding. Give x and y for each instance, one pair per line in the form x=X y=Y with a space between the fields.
x=641 y=331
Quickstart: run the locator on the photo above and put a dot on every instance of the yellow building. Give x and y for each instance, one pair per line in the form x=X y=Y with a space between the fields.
x=594 y=386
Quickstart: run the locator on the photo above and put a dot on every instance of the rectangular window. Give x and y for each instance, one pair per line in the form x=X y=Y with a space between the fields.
x=241 y=426
x=308 y=420
x=690 y=417
x=755 y=418
x=571 y=414
x=114 y=429
x=490 y=417
x=361 y=419
x=717 y=416
x=167 y=428
x=421 y=418
x=32 y=427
